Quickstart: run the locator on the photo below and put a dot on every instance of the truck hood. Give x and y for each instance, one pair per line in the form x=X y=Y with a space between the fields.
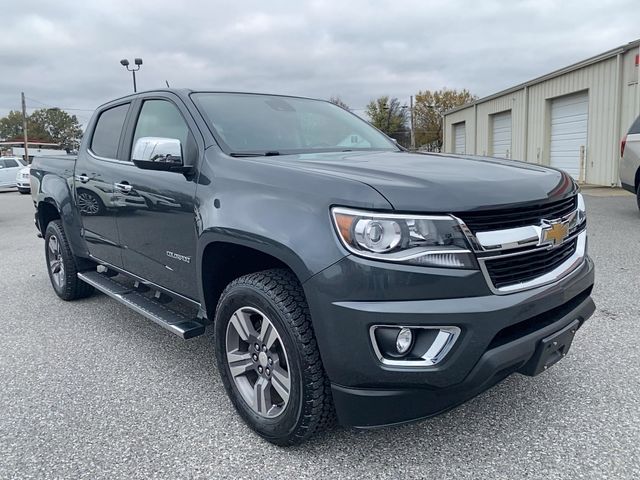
x=441 y=183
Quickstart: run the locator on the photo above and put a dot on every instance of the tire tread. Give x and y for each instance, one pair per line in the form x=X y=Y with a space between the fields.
x=74 y=288
x=285 y=291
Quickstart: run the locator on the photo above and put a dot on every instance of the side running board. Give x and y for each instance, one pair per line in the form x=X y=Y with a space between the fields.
x=171 y=320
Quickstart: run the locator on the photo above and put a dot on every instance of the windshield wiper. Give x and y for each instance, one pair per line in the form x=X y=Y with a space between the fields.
x=270 y=153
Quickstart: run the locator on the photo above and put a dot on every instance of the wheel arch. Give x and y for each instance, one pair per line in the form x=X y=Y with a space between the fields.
x=47 y=211
x=222 y=260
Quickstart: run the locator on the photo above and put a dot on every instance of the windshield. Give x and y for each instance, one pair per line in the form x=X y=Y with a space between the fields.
x=271 y=125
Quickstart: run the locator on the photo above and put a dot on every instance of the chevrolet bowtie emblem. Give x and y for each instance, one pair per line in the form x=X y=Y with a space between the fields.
x=555 y=233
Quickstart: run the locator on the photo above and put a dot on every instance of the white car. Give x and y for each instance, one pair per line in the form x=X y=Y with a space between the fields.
x=9 y=167
x=23 y=180
x=630 y=160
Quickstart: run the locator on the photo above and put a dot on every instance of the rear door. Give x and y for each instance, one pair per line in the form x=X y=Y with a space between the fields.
x=96 y=171
x=159 y=235
x=8 y=171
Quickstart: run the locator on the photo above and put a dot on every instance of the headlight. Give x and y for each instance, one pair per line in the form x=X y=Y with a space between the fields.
x=428 y=240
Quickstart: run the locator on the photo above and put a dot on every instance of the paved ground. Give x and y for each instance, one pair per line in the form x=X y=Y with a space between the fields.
x=91 y=390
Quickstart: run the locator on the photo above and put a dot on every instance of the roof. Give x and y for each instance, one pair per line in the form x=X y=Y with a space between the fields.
x=185 y=92
x=556 y=73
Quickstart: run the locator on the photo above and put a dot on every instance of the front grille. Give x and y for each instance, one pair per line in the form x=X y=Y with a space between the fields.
x=517 y=217
x=510 y=270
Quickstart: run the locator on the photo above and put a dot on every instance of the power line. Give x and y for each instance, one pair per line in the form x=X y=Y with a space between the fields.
x=82 y=116
x=61 y=108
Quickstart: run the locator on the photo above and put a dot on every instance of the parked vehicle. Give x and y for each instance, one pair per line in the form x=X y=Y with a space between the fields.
x=9 y=168
x=341 y=274
x=23 y=180
x=630 y=160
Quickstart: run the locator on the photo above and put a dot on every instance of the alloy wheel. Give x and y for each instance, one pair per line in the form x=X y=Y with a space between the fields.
x=258 y=362
x=56 y=265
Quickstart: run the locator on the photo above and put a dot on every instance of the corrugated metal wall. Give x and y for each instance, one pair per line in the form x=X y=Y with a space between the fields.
x=466 y=116
x=514 y=102
x=630 y=108
x=599 y=80
x=614 y=102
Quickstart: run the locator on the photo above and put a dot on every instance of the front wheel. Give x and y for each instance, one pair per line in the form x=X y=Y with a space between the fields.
x=61 y=264
x=268 y=357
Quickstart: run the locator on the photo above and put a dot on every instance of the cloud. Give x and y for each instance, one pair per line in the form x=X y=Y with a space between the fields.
x=67 y=53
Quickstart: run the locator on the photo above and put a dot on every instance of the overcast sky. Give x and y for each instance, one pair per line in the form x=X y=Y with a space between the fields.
x=66 y=53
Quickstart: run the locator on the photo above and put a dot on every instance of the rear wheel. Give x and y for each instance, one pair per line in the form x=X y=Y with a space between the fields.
x=638 y=196
x=268 y=357
x=61 y=264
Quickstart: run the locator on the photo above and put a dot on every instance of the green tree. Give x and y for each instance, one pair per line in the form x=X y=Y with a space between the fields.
x=11 y=127
x=59 y=126
x=47 y=124
x=336 y=100
x=428 y=113
x=387 y=114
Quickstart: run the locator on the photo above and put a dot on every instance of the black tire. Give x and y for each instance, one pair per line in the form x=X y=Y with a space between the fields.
x=638 y=197
x=280 y=296
x=89 y=203
x=24 y=191
x=64 y=280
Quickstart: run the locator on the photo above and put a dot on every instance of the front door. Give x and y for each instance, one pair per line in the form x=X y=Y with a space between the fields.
x=158 y=231
x=94 y=178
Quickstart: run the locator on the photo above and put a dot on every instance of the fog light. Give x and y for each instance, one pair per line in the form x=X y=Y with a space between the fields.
x=404 y=340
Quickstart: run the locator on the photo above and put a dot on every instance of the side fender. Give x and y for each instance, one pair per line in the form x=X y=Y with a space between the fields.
x=57 y=191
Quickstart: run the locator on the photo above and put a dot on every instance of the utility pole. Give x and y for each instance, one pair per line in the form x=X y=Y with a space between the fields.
x=24 y=129
x=388 y=119
x=413 y=131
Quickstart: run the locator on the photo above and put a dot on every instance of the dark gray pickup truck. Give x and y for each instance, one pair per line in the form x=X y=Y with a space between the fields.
x=342 y=275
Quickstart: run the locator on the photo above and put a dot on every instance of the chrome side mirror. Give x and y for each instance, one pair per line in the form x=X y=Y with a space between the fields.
x=157 y=153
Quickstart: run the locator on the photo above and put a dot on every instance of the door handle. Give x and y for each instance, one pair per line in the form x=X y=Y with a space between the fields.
x=83 y=178
x=123 y=187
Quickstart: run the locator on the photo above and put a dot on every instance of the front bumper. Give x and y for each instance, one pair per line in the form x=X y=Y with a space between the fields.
x=499 y=333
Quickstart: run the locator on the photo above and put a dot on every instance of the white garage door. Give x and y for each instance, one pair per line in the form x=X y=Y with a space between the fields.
x=501 y=135
x=569 y=116
x=460 y=137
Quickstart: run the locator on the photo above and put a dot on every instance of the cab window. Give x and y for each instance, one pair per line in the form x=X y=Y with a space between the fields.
x=106 y=135
x=160 y=118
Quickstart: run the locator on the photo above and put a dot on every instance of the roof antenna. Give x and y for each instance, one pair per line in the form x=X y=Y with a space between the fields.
x=167 y=84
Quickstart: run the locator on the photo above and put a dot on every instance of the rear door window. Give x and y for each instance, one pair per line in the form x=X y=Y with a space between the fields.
x=635 y=128
x=106 y=136
x=10 y=163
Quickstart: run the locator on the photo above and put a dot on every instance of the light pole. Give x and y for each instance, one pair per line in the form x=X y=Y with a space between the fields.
x=138 y=62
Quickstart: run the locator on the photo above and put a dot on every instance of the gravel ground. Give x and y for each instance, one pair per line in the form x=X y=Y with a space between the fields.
x=90 y=389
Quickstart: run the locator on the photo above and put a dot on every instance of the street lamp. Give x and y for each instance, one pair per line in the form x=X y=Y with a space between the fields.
x=138 y=62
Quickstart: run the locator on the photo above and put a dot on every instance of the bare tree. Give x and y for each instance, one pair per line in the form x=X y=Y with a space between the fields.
x=336 y=100
x=429 y=113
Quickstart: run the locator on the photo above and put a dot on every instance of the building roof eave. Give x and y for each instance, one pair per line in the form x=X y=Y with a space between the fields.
x=556 y=73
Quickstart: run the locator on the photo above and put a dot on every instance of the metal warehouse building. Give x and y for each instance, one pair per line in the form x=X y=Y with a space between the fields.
x=572 y=118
